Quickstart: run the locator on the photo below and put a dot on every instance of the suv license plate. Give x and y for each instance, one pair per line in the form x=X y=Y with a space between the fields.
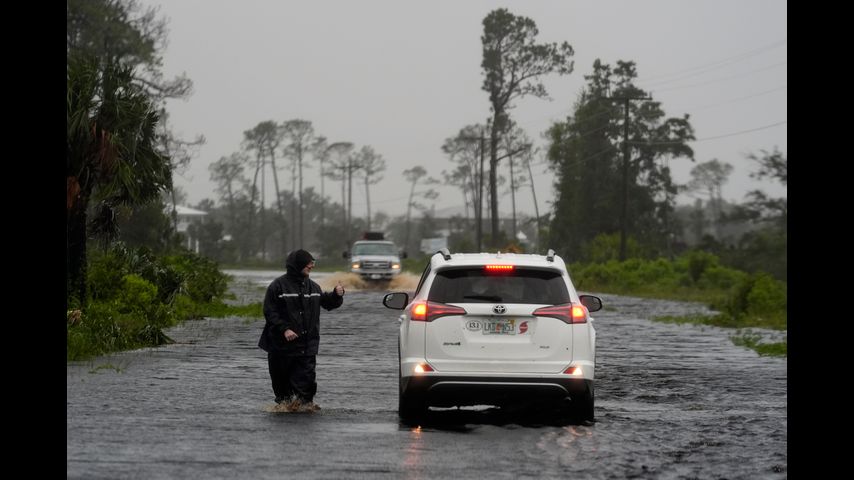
x=375 y=276
x=501 y=327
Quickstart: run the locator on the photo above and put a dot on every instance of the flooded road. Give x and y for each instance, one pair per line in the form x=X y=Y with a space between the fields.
x=672 y=401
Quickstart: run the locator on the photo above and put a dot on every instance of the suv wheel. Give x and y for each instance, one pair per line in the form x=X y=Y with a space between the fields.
x=410 y=407
x=584 y=405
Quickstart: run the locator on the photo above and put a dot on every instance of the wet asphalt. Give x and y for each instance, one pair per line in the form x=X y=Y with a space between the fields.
x=672 y=401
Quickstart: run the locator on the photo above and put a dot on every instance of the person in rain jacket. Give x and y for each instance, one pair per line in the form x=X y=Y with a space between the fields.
x=291 y=333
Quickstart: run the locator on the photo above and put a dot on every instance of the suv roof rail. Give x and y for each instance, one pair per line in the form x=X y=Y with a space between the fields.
x=446 y=254
x=550 y=256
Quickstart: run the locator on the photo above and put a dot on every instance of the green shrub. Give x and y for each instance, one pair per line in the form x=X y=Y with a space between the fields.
x=107 y=269
x=104 y=277
x=767 y=295
x=719 y=277
x=143 y=262
x=758 y=300
x=659 y=271
x=203 y=281
x=606 y=246
x=136 y=294
x=698 y=262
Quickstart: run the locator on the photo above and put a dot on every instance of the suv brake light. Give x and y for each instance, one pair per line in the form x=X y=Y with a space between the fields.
x=499 y=268
x=429 y=311
x=567 y=312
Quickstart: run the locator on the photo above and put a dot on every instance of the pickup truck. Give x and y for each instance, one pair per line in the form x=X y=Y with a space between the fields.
x=375 y=259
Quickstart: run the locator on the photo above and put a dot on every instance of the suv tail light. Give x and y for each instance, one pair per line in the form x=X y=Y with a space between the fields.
x=429 y=311
x=567 y=312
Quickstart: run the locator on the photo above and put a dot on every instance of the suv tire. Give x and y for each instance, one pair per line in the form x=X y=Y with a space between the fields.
x=584 y=405
x=410 y=407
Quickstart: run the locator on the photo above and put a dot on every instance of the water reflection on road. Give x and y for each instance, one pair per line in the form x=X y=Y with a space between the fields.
x=673 y=401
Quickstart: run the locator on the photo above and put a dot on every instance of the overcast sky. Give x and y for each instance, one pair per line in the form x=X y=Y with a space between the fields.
x=402 y=76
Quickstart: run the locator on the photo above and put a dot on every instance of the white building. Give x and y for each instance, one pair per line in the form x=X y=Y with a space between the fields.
x=186 y=216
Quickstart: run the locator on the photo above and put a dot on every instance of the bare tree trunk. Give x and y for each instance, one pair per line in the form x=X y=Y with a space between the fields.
x=299 y=162
x=368 y=198
x=322 y=197
x=344 y=194
x=536 y=209
x=717 y=210
x=466 y=206
x=75 y=251
x=174 y=209
x=479 y=207
x=408 y=212
x=278 y=197
x=232 y=215
x=493 y=178
x=263 y=200
x=252 y=198
x=473 y=183
x=513 y=197
x=293 y=205
x=349 y=199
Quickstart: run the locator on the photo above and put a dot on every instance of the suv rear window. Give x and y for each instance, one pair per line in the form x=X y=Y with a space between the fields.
x=474 y=285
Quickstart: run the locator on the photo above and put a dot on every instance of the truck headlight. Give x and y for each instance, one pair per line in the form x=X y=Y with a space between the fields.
x=395 y=266
x=356 y=266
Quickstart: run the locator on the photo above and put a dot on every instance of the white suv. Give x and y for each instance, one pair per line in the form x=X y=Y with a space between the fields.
x=495 y=329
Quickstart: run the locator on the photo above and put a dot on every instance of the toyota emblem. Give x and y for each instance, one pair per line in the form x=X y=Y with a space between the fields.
x=499 y=309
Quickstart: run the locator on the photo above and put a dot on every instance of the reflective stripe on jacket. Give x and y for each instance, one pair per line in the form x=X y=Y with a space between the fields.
x=294 y=303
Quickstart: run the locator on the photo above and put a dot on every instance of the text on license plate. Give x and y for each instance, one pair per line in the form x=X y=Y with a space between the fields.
x=503 y=327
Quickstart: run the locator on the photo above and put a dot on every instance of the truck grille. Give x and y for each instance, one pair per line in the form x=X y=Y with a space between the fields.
x=375 y=264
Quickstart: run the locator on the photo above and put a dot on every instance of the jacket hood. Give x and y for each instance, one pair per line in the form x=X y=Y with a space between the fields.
x=297 y=260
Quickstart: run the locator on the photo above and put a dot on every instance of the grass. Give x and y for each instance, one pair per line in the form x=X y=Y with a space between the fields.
x=752 y=341
x=719 y=320
x=773 y=322
x=106 y=366
x=681 y=293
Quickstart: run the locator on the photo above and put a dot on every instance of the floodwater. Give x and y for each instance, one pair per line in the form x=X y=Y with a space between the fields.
x=672 y=401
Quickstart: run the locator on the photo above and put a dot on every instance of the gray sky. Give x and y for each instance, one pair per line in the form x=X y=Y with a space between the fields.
x=402 y=76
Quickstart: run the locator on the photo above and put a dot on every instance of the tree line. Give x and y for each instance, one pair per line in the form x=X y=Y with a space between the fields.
x=609 y=159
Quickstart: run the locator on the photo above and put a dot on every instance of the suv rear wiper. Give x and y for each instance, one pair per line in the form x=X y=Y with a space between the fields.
x=491 y=298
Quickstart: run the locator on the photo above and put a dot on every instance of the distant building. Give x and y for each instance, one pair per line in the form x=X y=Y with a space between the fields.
x=187 y=216
x=433 y=245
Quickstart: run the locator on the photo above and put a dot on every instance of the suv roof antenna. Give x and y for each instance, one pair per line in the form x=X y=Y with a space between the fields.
x=551 y=255
x=446 y=254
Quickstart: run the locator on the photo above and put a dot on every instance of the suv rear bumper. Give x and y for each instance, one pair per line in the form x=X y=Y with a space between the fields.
x=448 y=391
